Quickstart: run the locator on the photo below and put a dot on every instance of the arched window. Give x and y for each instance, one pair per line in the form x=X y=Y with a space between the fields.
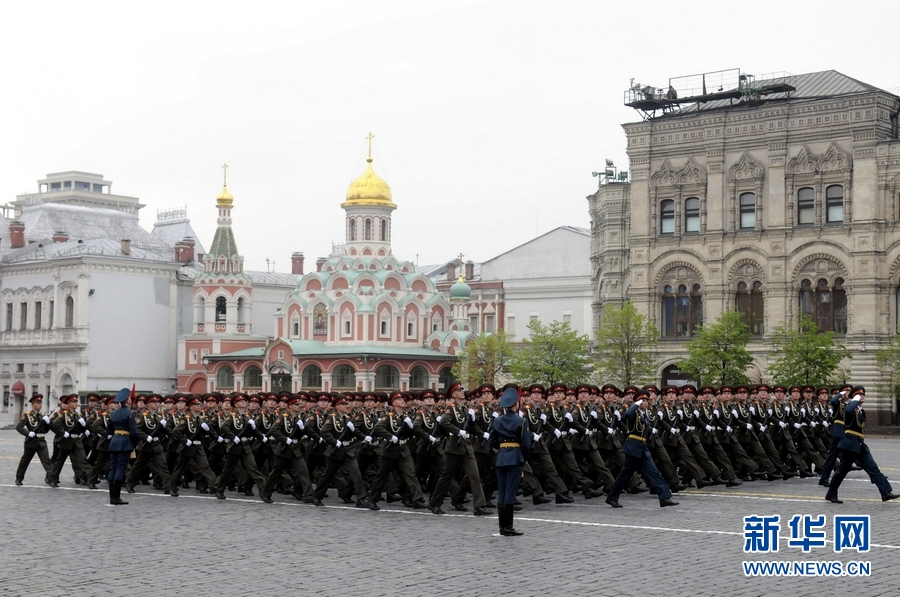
x=384 y=327
x=201 y=311
x=418 y=378
x=748 y=211
x=240 y=310
x=383 y=229
x=682 y=311
x=70 y=312
x=749 y=303
x=806 y=206
x=692 y=214
x=368 y=233
x=445 y=377
x=352 y=232
x=225 y=377
x=252 y=377
x=387 y=378
x=667 y=217
x=312 y=377
x=296 y=327
x=343 y=376
x=826 y=305
x=220 y=309
x=411 y=326
x=834 y=204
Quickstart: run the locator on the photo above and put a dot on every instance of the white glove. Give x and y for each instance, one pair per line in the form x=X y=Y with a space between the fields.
x=659 y=414
x=289 y=441
x=220 y=439
x=673 y=431
x=338 y=443
x=394 y=439
x=438 y=418
x=188 y=443
x=796 y=425
x=573 y=431
x=472 y=414
x=569 y=417
x=728 y=428
x=610 y=431
x=826 y=424
x=204 y=426
x=463 y=434
x=753 y=410
x=368 y=439
x=46 y=419
x=351 y=427
x=486 y=435
x=149 y=439
x=696 y=413
x=252 y=423
x=536 y=437
x=617 y=414
x=265 y=438
x=87 y=433
x=689 y=428
x=543 y=417
x=653 y=431
x=162 y=422
x=639 y=402
x=432 y=439
x=557 y=433
x=817 y=410
x=81 y=422
x=813 y=423
x=770 y=412
x=803 y=411
x=680 y=413
x=300 y=424
x=495 y=414
x=716 y=412
x=408 y=422
x=237 y=440
x=787 y=409
x=762 y=427
x=31 y=434
x=66 y=434
x=781 y=424
x=108 y=437
x=594 y=414
x=709 y=428
x=750 y=426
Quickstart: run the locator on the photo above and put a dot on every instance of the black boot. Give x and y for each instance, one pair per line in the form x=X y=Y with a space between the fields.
x=507 y=520
x=115 y=494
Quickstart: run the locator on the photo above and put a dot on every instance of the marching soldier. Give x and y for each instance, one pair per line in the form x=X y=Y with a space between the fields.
x=98 y=426
x=287 y=453
x=188 y=436
x=34 y=425
x=239 y=431
x=150 y=453
x=341 y=439
x=70 y=428
x=395 y=430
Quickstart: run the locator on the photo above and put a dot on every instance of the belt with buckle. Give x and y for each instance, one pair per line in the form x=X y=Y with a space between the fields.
x=75 y=435
x=402 y=442
x=510 y=445
x=39 y=435
x=637 y=437
x=121 y=432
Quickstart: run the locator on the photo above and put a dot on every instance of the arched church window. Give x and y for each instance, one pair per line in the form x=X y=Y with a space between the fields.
x=225 y=377
x=368 y=229
x=220 y=309
x=352 y=233
x=383 y=229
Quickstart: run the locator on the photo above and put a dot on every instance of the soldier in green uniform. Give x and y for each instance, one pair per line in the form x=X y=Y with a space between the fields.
x=395 y=430
x=239 y=431
x=188 y=436
x=150 y=453
x=34 y=425
x=70 y=429
x=341 y=438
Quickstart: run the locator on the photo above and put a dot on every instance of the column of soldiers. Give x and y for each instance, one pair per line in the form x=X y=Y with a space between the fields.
x=419 y=448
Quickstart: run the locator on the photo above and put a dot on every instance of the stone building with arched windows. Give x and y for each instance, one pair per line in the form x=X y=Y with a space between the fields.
x=779 y=197
x=364 y=320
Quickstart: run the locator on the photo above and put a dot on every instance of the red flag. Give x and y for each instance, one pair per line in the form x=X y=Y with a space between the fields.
x=133 y=394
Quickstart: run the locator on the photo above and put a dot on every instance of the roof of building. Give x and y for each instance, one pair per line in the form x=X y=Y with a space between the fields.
x=822 y=84
x=313 y=348
x=573 y=229
x=47 y=249
x=173 y=226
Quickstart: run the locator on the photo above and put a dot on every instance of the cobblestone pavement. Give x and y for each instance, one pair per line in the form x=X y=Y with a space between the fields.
x=69 y=541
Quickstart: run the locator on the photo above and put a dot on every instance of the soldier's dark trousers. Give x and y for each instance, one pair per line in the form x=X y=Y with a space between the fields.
x=403 y=466
x=453 y=463
x=508 y=478
x=118 y=462
x=831 y=459
x=79 y=464
x=647 y=467
x=197 y=463
x=347 y=466
x=543 y=466
x=295 y=466
x=232 y=461
x=101 y=463
x=43 y=455
x=155 y=460
x=593 y=457
x=720 y=457
x=866 y=462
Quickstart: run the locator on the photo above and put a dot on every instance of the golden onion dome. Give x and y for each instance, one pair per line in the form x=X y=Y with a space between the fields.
x=369 y=189
x=225 y=199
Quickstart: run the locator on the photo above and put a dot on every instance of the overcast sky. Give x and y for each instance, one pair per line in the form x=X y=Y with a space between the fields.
x=488 y=116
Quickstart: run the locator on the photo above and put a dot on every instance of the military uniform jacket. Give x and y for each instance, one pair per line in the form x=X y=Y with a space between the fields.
x=854 y=428
x=741 y=417
x=34 y=421
x=532 y=414
x=708 y=418
x=234 y=425
x=606 y=421
x=122 y=419
x=148 y=426
x=286 y=427
x=481 y=425
x=669 y=424
x=638 y=431
x=67 y=422
x=837 y=416
x=426 y=426
x=390 y=425
x=453 y=421
x=582 y=428
x=691 y=431
x=99 y=426
x=190 y=427
x=654 y=437
x=336 y=428
x=264 y=422
x=556 y=421
x=781 y=422
x=511 y=438
x=314 y=422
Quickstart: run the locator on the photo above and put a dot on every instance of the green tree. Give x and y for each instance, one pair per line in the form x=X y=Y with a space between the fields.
x=888 y=359
x=803 y=355
x=483 y=359
x=554 y=353
x=625 y=343
x=718 y=355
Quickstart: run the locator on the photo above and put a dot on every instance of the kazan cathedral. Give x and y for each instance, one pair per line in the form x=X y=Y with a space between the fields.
x=363 y=321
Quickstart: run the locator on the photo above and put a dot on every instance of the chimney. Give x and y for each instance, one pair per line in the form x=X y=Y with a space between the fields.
x=60 y=237
x=451 y=271
x=184 y=250
x=16 y=234
x=320 y=262
x=470 y=270
x=297 y=264
x=126 y=246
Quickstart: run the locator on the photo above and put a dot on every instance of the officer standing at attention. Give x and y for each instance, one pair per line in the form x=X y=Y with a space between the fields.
x=510 y=436
x=122 y=427
x=637 y=456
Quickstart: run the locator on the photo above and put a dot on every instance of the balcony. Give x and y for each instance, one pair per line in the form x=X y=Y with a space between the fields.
x=56 y=336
